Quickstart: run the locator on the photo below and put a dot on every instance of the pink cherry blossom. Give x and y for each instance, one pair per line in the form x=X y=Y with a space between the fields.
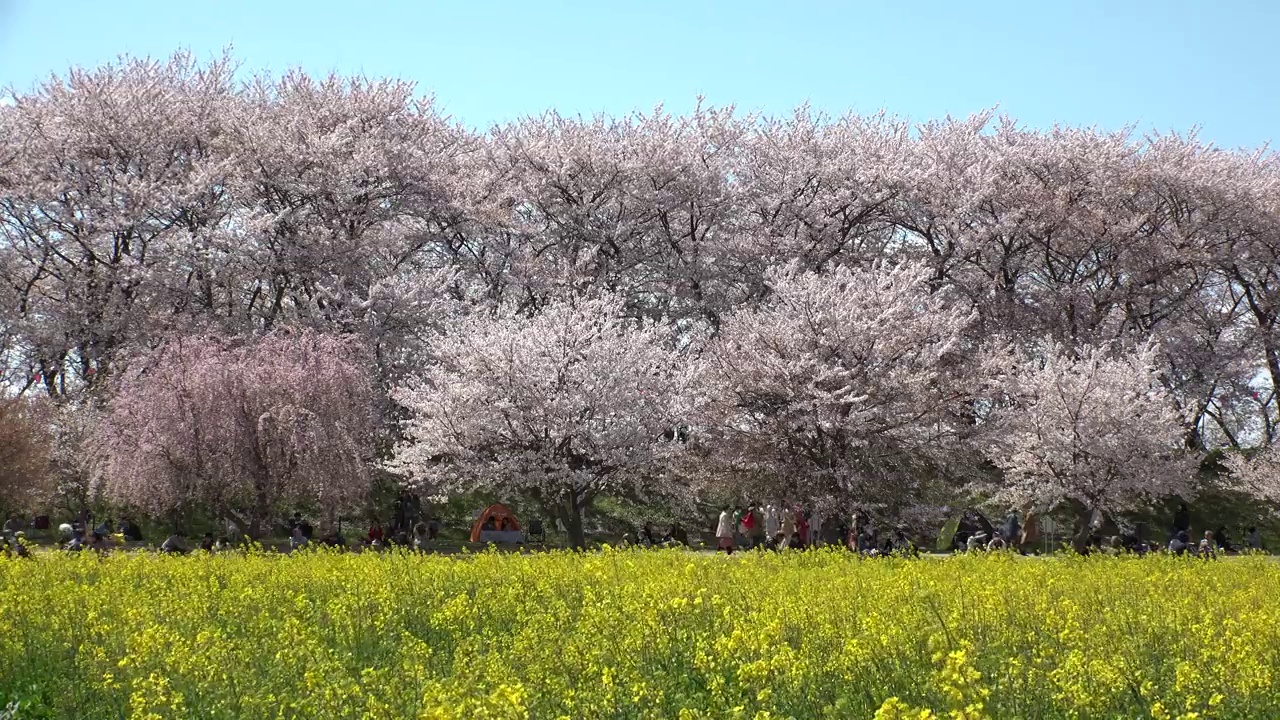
x=249 y=428
x=561 y=407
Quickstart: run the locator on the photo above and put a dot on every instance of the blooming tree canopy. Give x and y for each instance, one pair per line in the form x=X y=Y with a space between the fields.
x=1259 y=475
x=248 y=428
x=842 y=383
x=572 y=402
x=149 y=200
x=1092 y=427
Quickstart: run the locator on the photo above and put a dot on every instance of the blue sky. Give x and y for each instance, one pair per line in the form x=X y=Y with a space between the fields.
x=1160 y=65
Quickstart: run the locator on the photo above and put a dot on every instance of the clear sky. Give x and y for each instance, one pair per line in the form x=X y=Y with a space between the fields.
x=1163 y=65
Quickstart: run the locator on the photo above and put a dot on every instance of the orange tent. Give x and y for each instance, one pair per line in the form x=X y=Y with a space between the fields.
x=498 y=513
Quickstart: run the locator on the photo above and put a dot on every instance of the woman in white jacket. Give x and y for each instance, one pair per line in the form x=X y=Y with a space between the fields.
x=724 y=531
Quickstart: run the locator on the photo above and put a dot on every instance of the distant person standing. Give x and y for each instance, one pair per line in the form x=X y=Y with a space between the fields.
x=1182 y=520
x=1011 y=532
x=1252 y=539
x=724 y=531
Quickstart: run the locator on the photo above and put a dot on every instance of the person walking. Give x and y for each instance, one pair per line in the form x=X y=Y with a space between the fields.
x=802 y=528
x=772 y=523
x=757 y=529
x=724 y=531
x=787 y=531
x=1012 y=531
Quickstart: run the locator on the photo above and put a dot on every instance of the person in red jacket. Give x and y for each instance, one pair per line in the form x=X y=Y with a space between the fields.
x=753 y=526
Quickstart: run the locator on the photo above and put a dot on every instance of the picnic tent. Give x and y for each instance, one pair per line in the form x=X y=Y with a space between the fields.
x=498 y=512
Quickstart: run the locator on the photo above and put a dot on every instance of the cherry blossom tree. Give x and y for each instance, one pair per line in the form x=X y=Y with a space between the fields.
x=248 y=428
x=850 y=383
x=110 y=174
x=563 y=406
x=1088 y=426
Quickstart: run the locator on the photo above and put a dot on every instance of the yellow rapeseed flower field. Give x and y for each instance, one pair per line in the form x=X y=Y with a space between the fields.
x=637 y=634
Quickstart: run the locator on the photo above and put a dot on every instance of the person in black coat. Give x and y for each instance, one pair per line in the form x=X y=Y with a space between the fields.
x=1182 y=520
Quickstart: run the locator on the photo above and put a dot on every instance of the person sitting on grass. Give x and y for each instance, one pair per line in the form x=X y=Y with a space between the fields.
x=904 y=545
x=997 y=541
x=867 y=541
x=490 y=524
x=15 y=546
x=131 y=531
x=1223 y=542
x=333 y=539
x=375 y=532
x=174 y=545
x=420 y=540
x=678 y=534
x=1180 y=544
x=1208 y=548
x=298 y=539
x=206 y=544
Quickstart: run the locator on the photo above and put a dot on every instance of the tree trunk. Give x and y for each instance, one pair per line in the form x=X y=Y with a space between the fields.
x=245 y=526
x=569 y=512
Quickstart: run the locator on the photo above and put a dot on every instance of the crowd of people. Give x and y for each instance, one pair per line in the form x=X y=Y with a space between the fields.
x=82 y=534
x=763 y=525
x=771 y=526
x=776 y=527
